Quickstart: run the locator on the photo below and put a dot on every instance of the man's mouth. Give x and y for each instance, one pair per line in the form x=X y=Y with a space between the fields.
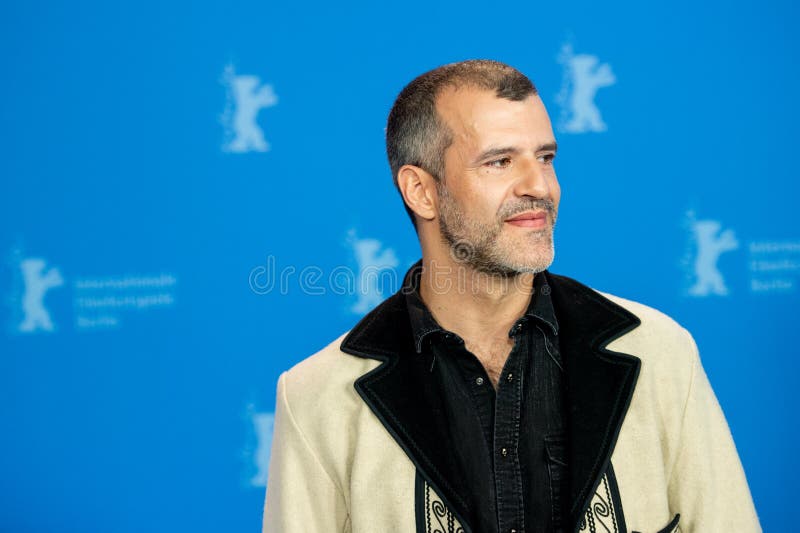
x=529 y=219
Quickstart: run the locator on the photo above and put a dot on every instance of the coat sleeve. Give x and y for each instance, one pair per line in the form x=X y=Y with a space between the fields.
x=707 y=484
x=301 y=495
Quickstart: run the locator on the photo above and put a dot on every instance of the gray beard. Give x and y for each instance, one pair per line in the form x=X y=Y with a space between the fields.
x=473 y=245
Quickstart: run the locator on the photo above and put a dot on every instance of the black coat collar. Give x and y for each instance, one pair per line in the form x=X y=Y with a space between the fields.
x=599 y=382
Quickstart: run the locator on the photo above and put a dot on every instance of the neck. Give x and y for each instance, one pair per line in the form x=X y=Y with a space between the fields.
x=479 y=307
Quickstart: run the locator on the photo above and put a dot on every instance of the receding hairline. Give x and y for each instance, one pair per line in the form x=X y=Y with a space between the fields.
x=465 y=83
x=454 y=87
x=447 y=130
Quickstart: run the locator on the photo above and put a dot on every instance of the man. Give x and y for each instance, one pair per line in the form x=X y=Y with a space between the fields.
x=488 y=394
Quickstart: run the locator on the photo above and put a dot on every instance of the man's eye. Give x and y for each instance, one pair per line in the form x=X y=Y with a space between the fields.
x=547 y=158
x=500 y=163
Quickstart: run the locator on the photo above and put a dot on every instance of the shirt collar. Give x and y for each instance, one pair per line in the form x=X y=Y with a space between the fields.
x=422 y=322
x=424 y=325
x=541 y=306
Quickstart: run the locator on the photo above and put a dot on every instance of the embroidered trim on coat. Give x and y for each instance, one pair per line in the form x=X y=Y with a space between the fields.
x=432 y=514
x=604 y=514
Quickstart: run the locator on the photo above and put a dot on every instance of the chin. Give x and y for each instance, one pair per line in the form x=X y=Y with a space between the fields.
x=535 y=262
x=535 y=268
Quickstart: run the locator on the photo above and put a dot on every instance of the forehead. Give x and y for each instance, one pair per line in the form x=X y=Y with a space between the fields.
x=477 y=117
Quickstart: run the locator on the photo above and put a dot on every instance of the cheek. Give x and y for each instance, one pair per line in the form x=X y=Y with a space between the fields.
x=483 y=202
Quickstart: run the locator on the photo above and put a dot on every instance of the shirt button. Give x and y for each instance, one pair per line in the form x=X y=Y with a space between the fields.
x=512 y=531
x=479 y=381
x=510 y=377
x=504 y=452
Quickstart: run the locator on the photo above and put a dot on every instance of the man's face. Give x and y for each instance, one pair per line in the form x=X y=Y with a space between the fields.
x=499 y=201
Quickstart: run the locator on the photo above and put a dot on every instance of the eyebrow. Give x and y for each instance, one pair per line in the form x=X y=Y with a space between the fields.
x=511 y=150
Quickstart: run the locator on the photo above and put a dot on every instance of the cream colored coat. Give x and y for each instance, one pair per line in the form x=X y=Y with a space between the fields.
x=335 y=468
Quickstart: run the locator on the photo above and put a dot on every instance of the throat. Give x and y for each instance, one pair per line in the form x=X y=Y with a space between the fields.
x=493 y=358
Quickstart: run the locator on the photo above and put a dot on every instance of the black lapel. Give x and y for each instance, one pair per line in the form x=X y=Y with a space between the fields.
x=402 y=394
x=599 y=382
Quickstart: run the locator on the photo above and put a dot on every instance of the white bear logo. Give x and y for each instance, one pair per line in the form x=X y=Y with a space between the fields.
x=372 y=258
x=583 y=76
x=264 y=424
x=246 y=97
x=37 y=283
x=711 y=243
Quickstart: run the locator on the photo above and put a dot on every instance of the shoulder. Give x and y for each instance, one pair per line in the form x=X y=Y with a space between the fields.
x=658 y=339
x=654 y=323
x=323 y=382
x=667 y=350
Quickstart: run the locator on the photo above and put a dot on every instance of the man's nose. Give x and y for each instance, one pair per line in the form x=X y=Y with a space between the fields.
x=532 y=180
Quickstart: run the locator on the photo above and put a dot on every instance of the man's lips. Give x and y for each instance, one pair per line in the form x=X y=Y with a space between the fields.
x=530 y=219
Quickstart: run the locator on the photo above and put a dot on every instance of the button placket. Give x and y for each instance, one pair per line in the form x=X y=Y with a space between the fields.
x=508 y=475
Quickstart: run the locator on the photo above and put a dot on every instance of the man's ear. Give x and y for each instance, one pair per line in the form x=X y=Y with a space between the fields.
x=418 y=188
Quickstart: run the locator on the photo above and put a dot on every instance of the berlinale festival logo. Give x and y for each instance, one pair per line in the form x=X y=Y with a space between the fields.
x=372 y=258
x=246 y=96
x=263 y=425
x=583 y=76
x=37 y=281
x=710 y=242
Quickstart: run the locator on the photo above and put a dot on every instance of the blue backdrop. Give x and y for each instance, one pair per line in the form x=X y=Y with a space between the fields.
x=191 y=190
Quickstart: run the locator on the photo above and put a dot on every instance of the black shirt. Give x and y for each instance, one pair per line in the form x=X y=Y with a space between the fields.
x=513 y=446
